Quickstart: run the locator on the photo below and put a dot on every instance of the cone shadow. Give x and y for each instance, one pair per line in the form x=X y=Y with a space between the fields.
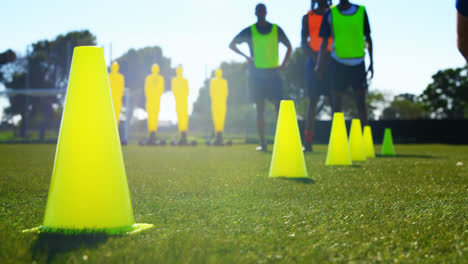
x=314 y=153
x=298 y=180
x=416 y=156
x=354 y=165
x=48 y=245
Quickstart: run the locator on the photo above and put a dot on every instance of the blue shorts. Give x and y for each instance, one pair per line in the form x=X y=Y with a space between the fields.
x=265 y=84
x=314 y=86
x=344 y=76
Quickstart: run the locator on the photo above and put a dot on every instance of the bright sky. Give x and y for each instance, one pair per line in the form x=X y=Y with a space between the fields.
x=411 y=40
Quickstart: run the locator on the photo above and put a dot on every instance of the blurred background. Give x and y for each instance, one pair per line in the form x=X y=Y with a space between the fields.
x=419 y=74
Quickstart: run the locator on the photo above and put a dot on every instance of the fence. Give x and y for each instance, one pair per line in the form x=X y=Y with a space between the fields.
x=406 y=131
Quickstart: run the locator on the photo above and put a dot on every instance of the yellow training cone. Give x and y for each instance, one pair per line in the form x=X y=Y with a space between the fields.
x=88 y=191
x=288 y=159
x=356 y=143
x=368 y=142
x=338 y=148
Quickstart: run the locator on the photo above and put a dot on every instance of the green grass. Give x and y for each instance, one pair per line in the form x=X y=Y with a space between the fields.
x=217 y=205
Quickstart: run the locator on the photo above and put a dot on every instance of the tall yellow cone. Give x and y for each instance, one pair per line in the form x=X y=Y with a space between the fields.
x=338 y=147
x=368 y=142
x=288 y=159
x=356 y=143
x=88 y=191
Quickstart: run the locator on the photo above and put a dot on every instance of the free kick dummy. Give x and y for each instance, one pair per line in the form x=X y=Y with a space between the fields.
x=154 y=88
x=218 y=94
x=117 y=84
x=181 y=91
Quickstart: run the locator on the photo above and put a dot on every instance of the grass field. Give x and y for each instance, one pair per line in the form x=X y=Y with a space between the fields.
x=217 y=205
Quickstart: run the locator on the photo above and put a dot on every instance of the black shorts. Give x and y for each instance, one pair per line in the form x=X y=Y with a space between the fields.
x=344 y=76
x=265 y=84
x=314 y=86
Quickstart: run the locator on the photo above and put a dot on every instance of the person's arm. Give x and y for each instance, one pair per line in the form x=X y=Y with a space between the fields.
x=370 y=46
x=304 y=43
x=321 y=58
x=323 y=54
x=240 y=38
x=462 y=37
x=284 y=39
x=371 y=55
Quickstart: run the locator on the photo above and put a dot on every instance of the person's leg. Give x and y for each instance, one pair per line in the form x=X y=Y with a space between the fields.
x=310 y=123
x=276 y=106
x=311 y=113
x=313 y=91
x=337 y=85
x=337 y=97
x=359 y=83
x=360 y=97
x=273 y=91
x=255 y=85
x=260 y=105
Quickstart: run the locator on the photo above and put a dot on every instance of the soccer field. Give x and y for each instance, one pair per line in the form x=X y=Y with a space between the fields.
x=217 y=205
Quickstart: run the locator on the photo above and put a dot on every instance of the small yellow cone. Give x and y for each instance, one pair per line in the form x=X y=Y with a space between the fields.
x=338 y=148
x=88 y=191
x=368 y=142
x=288 y=159
x=356 y=143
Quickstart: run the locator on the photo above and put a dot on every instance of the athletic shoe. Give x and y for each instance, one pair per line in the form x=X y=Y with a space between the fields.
x=308 y=147
x=262 y=147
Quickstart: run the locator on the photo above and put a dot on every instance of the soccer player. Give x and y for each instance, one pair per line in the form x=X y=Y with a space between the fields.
x=348 y=25
x=264 y=78
x=311 y=42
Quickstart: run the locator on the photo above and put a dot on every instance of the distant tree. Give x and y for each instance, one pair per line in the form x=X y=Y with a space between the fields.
x=447 y=95
x=46 y=66
x=405 y=106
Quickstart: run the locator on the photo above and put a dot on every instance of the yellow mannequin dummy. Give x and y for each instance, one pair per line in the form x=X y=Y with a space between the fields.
x=181 y=90
x=117 y=84
x=154 y=88
x=218 y=94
